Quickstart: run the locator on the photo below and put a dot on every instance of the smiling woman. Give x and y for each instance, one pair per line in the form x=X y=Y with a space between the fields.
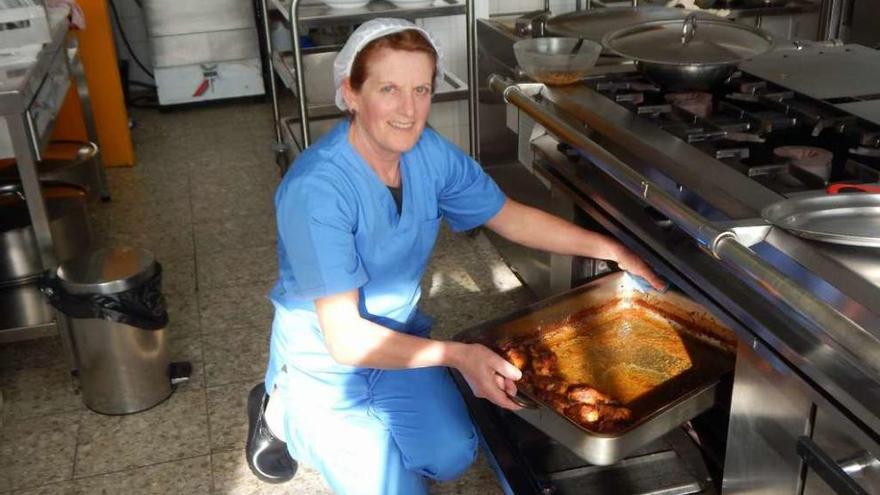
x=356 y=386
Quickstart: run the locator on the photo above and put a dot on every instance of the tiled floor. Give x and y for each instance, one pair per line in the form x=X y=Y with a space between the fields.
x=200 y=199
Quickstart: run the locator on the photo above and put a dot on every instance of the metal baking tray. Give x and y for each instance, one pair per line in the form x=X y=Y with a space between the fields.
x=709 y=348
x=850 y=219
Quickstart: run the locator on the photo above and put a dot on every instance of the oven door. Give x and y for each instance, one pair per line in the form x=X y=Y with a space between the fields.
x=840 y=458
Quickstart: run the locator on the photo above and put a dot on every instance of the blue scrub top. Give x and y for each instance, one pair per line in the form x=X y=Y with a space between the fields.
x=339 y=230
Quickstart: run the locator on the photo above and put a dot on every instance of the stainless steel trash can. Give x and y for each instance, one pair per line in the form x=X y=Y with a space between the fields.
x=122 y=368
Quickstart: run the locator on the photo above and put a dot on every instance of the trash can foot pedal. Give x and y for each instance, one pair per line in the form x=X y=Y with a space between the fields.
x=180 y=372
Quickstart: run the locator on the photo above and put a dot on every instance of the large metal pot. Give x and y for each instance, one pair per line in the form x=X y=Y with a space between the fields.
x=68 y=221
x=693 y=54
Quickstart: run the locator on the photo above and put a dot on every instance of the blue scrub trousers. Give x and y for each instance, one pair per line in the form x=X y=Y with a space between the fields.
x=377 y=432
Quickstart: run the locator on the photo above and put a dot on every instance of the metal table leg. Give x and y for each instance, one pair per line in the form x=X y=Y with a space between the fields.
x=82 y=89
x=26 y=155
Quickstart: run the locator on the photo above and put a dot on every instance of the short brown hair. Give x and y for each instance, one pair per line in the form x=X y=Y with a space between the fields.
x=409 y=40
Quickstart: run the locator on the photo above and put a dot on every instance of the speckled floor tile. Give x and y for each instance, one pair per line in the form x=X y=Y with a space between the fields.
x=236 y=355
x=463 y=273
x=167 y=244
x=478 y=480
x=186 y=476
x=237 y=196
x=237 y=306
x=155 y=217
x=44 y=352
x=179 y=275
x=38 y=451
x=175 y=429
x=189 y=349
x=37 y=392
x=235 y=232
x=454 y=314
x=61 y=488
x=143 y=185
x=232 y=477
x=237 y=267
x=183 y=314
x=227 y=415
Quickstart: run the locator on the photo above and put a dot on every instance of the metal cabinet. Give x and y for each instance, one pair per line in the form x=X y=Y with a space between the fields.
x=312 y=85
x=849 y=451
x=785 y=438
x=769 y=412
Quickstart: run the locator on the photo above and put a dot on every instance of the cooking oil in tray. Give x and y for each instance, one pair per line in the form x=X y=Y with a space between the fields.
x=638 y=356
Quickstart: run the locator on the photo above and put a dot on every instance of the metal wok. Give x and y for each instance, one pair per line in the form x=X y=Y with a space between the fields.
x=693 y=54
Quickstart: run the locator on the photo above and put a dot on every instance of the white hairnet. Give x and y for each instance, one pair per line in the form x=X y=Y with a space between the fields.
x=367 y=32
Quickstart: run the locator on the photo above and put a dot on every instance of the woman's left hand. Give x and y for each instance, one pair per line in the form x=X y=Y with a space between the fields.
x=628 y=261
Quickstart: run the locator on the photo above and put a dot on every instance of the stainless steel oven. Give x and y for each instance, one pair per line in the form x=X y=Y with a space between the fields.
x=686 y=194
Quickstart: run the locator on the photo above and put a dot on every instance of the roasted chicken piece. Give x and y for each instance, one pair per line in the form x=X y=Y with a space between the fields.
x=543 y=361
x=550 y=384
x=555 y=402
x=584 y=414
x=598 y=416
x=586 y=394
x=582 y=403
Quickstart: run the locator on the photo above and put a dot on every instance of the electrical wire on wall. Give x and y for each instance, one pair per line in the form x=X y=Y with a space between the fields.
x=144 y=98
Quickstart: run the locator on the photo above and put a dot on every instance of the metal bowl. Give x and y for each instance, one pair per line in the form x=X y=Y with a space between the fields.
x=551 y=61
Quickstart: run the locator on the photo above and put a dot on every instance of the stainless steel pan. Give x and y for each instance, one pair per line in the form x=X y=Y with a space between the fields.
x=595 y=23
x=849 y=219
x=689 y=54
x=664 y=406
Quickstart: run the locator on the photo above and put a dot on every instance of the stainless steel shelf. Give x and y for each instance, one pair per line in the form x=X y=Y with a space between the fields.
x=319 y=122
x=282 y=62
x=319 y=14
x=451 y=87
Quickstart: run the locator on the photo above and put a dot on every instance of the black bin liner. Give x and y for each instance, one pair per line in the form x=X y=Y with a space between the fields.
x=142 y=306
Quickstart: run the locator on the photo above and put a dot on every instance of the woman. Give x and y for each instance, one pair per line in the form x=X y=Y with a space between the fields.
x=357 y=388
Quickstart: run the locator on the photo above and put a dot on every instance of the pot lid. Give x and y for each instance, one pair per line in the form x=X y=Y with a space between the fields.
x=107 y=271
x=593 y=24
x=688 y=42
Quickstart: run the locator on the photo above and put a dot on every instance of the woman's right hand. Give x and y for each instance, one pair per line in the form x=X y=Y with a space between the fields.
x=488 y=374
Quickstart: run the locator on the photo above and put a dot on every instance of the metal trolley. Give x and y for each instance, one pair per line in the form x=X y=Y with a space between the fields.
x=293 y=133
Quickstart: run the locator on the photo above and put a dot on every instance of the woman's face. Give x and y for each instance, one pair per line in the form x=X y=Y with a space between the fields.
x=392 y=105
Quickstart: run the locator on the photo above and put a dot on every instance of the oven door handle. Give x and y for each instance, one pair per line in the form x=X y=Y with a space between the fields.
x=825 y=467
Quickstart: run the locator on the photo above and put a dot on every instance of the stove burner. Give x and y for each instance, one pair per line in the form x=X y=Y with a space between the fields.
x=699 y=104
x=752 y=125
x=816 y=161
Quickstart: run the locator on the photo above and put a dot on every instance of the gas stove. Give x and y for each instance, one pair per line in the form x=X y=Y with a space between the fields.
x=771 y=134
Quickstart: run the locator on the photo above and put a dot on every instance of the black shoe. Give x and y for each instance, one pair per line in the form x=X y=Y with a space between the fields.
x=267 y=456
